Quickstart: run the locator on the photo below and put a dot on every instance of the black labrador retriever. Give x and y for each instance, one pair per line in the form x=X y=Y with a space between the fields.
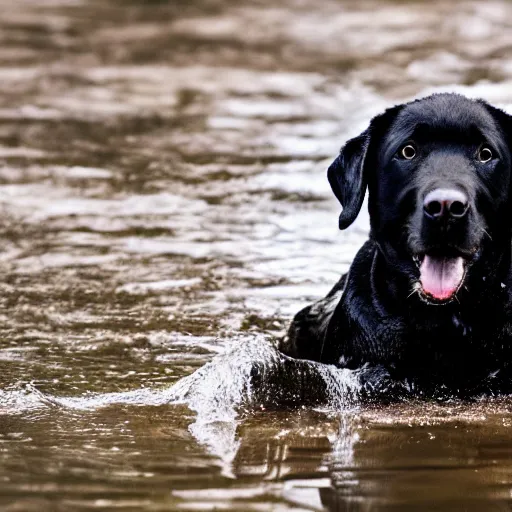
x=428 y=296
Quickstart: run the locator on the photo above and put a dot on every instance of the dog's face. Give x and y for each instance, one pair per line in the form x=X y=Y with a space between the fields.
x=438 y=174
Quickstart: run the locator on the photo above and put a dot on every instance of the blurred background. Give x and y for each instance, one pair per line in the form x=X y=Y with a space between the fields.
x=163 y=196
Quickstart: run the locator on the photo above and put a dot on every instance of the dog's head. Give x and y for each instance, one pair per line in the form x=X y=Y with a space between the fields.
x=438 y=171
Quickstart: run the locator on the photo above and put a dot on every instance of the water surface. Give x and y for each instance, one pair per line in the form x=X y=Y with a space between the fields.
x=163 y=199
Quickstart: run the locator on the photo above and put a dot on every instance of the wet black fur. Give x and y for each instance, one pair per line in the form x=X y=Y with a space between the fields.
x=374 y=316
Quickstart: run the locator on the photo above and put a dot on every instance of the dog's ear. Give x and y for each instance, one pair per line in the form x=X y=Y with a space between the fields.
x=348 y=174
x=503 y=119
x=347 y=177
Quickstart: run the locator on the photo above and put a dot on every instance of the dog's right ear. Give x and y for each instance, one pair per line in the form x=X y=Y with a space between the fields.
x=347 y=177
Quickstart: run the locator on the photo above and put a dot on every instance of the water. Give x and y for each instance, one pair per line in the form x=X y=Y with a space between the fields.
x=164 y=200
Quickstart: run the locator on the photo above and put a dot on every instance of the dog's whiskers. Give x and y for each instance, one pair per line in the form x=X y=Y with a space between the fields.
x=415 y=289
x=485 y=232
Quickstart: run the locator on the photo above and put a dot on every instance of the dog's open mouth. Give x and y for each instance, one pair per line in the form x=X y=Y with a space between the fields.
x=441 y=276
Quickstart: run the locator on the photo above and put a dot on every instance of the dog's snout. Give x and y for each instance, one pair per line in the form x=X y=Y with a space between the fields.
x=444 y=203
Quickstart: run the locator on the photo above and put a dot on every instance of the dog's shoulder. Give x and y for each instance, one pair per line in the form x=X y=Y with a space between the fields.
x=306 y=336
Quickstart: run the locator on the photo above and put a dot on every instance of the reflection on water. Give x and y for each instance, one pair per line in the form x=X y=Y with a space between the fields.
x=163 y=198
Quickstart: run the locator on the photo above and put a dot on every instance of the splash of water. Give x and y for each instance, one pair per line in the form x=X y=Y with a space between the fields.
x=251 y=375
x=254 y=374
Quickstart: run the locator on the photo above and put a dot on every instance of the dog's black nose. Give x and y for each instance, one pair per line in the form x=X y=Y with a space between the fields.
x=444 y=203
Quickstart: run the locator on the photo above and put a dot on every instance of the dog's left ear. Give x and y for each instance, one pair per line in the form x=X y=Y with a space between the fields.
x=348 y=174
x=503 y=119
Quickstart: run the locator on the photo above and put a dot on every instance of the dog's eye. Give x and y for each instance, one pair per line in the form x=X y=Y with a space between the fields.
x=485 y=154
x=408 y=152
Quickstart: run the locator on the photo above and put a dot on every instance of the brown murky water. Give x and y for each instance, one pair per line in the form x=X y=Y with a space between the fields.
x=163 y=197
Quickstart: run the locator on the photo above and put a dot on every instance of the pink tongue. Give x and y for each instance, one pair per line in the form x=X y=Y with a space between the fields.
x=441 y=277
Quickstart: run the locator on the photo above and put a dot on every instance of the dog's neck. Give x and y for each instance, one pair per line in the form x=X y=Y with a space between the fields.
x=467 y=335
